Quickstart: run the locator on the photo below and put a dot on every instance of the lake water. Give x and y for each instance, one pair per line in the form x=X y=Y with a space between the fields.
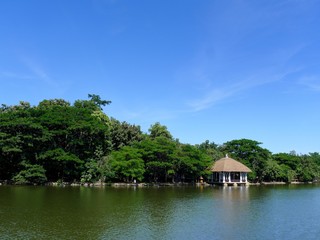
x=255 y=212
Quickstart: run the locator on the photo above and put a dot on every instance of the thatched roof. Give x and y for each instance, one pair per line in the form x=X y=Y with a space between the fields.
x=229 y=165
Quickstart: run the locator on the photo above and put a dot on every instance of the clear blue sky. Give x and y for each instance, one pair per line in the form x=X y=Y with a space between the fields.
x=216 y=70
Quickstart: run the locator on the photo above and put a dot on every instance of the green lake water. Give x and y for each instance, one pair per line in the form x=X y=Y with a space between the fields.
x=255 y=212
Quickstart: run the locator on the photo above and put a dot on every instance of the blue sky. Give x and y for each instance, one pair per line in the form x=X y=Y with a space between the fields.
x=216 y=70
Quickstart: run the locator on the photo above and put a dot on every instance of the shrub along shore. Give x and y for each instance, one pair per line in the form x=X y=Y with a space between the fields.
x=56 y=141
x=144 y=184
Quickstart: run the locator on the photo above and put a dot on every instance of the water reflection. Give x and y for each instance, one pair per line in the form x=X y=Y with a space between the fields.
x=270 y=212
x=146 y=214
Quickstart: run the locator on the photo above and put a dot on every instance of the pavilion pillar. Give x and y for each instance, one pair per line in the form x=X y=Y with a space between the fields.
x=245 y=177
x=223 y=177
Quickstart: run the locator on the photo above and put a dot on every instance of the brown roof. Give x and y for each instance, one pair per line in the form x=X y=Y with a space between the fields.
x=229 y=165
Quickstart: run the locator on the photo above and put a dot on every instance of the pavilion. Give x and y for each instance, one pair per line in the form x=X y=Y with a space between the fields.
x=228 y=171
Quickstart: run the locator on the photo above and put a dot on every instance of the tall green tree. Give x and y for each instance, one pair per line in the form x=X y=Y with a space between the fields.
x=128 y=164
x=307 y=170
x=275 y=172
x=20 y=139
x=210 y=148
x=55 y=134
x=124 y=134
x=96 y=99
x=289 y=159
x=249 y=153
x=158 y=130
x=191 y=163
x=157 y=154
x=97 y=168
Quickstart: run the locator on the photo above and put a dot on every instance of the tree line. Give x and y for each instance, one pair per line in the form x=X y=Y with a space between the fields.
x=58 y=141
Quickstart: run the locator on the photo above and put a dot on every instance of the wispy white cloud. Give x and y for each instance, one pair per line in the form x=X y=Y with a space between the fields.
x=211 y=98
x=217 y=95
x=39 y=72
x=13 y=75
x=229 y=70
x=214 y=84
x=231 y=62
x=311 y=82
x=32 y=73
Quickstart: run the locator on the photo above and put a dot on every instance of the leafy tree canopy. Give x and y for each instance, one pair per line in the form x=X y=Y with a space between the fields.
x=59 y=141
x=158 y=130
x=249 y=153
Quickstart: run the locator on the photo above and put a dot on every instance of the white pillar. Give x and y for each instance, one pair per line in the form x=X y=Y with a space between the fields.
x=245 y=177
x=223 y=177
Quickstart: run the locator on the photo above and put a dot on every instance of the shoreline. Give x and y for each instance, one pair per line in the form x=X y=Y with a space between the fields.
x=140 y=185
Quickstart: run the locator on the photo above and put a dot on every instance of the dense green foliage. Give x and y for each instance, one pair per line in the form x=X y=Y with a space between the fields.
x=251 y=154
x=57 y=141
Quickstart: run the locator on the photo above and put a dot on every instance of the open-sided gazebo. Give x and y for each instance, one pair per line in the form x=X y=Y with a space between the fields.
x=229 y=171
